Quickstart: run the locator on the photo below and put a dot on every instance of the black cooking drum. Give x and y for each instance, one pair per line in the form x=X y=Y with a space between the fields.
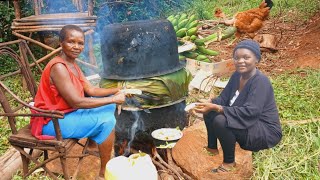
x=139 y=49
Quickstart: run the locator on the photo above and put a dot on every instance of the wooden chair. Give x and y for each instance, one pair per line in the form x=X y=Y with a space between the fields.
x=21 y=139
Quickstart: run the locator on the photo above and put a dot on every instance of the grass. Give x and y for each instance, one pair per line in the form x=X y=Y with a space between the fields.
x=297 y=155
x=287 y=10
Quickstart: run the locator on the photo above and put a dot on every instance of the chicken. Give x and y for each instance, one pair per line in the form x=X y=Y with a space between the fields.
x=249 y=21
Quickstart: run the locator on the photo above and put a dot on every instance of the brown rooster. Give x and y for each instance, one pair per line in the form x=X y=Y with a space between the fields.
x=248 y=21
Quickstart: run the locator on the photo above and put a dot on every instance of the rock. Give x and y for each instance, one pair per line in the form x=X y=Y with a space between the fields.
x=190 y=155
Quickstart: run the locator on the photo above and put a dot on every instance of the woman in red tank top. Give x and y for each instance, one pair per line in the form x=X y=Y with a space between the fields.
x=63 y=87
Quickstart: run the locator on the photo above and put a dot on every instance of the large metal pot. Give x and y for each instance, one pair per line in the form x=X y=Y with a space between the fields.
x=139 y=49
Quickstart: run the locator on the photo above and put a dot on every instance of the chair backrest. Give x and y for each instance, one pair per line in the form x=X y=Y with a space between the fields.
x=14 y=96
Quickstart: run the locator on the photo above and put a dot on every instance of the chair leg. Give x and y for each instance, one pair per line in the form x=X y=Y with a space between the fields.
x=80 y=159
x=45 y=154
x=25 y=163
x=26 y=157
x=64 y=167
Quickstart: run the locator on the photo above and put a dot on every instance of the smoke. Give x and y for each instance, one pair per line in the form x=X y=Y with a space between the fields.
x=58 y=6
x=138 y=125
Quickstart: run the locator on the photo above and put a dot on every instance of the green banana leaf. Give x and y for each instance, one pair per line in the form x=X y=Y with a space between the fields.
x=157 y=91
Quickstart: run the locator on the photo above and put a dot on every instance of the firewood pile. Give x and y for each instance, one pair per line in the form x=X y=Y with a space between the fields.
x=167 y=170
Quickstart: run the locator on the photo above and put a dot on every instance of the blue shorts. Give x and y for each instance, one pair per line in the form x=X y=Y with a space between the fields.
x=95 y=123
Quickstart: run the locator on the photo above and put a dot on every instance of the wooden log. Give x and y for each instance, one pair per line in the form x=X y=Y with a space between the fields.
x=11 y=162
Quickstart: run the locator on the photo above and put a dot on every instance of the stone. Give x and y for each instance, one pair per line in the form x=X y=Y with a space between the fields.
x=189 y=153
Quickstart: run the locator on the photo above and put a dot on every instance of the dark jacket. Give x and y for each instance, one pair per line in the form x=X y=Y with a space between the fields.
x=254 y=110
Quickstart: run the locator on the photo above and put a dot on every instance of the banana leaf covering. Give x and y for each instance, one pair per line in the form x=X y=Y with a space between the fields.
x=156 y=91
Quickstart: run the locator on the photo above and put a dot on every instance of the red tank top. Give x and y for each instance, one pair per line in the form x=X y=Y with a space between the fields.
x=49 y=98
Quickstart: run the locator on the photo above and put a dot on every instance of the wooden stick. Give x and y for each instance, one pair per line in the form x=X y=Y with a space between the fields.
x=54 y=17
x=52 y=23
x=47 y=29
x=52 y=26
x=34 y=41
x=174 y=165
x=92 y=58
x=32 y=56
x=301 y=121
x=17 y=9
x=48 y=55
x=10 y=42
x=87 y=64
x=167 y=165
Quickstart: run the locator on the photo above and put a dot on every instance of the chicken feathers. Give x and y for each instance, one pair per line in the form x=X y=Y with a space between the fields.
x=251 y=20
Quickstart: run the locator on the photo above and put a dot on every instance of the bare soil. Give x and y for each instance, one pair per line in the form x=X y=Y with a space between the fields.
x=297 y=44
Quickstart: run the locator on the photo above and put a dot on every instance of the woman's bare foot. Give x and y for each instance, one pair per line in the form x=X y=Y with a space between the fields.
x=212 y=152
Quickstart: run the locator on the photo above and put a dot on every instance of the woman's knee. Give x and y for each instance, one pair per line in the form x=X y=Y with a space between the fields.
x=220 y=121
x=209 y=116
x=107 y=124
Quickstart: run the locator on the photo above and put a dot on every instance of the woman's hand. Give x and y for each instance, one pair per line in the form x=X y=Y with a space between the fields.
x=119 y=98
x=205 y=108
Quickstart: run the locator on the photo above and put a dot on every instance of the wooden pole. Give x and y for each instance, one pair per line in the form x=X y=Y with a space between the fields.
x=10 y=42
x=90 y=7
x=32 y=56
x=51 y=26
x=91 y=50
x=48 y=55
x=17 y=9
x=36 y=7
x=33 y=41
x=34 y=23
x=45 y=29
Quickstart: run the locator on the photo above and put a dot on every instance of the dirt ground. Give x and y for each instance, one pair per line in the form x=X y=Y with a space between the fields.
x=297 y=45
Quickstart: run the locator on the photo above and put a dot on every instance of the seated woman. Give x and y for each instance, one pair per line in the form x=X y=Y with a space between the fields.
x=245 y=111
x=64 y=87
